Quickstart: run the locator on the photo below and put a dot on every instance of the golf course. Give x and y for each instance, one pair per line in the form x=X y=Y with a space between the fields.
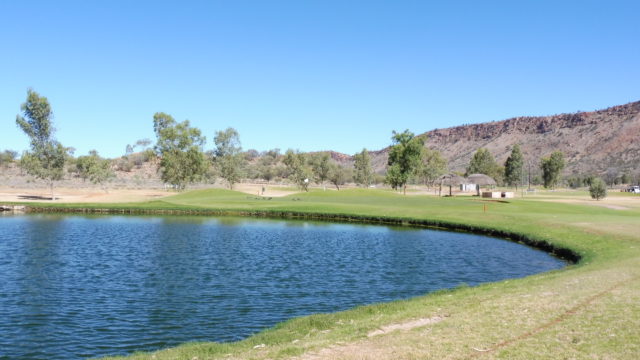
x=589 y=309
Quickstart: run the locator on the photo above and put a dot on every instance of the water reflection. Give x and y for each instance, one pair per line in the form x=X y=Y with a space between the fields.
x=74 y=287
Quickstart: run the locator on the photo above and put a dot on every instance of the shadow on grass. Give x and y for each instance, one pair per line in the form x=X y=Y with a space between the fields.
x=34 y=197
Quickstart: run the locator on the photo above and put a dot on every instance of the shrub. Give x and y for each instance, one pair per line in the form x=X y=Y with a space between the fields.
x=598 y=189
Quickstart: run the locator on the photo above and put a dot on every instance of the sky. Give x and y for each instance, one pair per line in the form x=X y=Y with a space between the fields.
x=309 y=75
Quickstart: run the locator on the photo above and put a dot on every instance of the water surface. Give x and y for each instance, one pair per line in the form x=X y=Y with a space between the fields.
x=73 y=287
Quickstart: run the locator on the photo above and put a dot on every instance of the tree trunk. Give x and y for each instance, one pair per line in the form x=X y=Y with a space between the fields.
x=404 y=189
x=51 y=186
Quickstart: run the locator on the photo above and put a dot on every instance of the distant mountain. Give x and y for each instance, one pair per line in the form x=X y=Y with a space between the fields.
x=593 y=142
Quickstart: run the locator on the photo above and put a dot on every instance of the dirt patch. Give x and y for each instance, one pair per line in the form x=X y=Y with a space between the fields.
x=406 y=325
x=66 y=195
x=611 y=203
x=269 y=190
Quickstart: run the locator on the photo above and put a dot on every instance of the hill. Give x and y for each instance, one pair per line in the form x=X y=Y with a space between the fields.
x=593 y=142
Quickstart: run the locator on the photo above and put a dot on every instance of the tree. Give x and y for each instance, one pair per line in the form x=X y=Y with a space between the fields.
x=626 y=178
x=551 y=168
x=320 y=166
x=228 y=155
x=610 y=176
x=598 y=189
x=83 y=165
x=179 y=147
x=513 y=167
x=7 y=157
x=266 y=166
x=298 y=173
x=484 y=163
x=337 y=175
x=404 y=159
x=363 y=169
x=94 y=168
x=432 y=166
x=47 y=157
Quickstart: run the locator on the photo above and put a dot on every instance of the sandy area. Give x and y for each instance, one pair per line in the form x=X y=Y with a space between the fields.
x=270 y=190
x=613 y=202
x=96 y=195
x=67 y=195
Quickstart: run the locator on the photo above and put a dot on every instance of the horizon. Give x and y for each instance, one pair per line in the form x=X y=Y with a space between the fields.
x=316 y=76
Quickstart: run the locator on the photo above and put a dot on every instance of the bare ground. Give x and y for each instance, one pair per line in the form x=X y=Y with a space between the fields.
x=69 y=195
x=96 y=195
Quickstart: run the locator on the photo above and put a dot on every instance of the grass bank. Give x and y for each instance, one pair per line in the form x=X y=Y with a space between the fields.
x=588 y=310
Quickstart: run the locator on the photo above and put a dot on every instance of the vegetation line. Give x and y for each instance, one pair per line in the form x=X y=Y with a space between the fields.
x=560 y=252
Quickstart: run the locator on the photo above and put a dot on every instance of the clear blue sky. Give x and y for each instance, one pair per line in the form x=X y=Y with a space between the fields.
x=309 y=75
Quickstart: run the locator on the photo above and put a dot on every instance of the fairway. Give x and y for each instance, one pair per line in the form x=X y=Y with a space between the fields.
x=587 y=310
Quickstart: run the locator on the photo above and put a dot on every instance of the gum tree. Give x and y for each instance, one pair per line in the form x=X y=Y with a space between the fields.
x=46 y=158
x=179 y=147
x=228 y=157
x=298 y=173
x=513 y=167
x=363 y=170
x=552 y=168
x=404 y=159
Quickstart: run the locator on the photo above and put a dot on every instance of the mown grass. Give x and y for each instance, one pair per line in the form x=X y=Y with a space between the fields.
x=587 y=310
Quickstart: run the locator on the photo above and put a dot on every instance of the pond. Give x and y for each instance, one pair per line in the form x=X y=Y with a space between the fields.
x=74 y=287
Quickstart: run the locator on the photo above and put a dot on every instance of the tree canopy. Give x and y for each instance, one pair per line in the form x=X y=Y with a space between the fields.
x=598 y=189
x=228 y=156
x=179 y=147
x=295 y=162
x=363 y=170
x=404 y=159
x=320 y=166
x=47 y=157
x=552 y=168
x=513 y=167
x=432 y=166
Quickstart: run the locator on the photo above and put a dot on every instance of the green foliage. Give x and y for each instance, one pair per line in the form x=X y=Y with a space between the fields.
x=625 y=178
x=320 y=166
x=432 y=166
x=483 y=162
x=267 y=166
x=298 y=173
x=338 y=175
x=46 y=162
x=47 y=157
x=179 y=147
x=578 y=181
x=404 y=158
x=363 y=170
x=83 y=165
x=7 y=157
x=513 y=167
x=598 y=189
x=551 y=169
x=94 y=168
x=228 y=157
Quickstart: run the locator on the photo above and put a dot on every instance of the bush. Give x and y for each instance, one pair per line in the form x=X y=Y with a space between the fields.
x=7 y=157
x=598 y=189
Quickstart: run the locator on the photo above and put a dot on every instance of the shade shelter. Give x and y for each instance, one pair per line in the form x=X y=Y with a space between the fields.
x=481 y=180
x=450 y=180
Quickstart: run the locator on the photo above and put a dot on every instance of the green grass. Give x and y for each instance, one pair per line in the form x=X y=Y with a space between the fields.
x=587 y=310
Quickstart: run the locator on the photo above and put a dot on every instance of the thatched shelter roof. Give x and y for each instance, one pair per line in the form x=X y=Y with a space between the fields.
x=451 y=180
x=481 y=179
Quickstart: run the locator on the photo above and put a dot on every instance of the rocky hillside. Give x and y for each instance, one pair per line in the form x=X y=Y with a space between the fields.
x=593 y=142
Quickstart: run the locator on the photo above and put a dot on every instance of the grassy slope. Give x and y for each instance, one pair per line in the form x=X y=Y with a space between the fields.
x=589 y=310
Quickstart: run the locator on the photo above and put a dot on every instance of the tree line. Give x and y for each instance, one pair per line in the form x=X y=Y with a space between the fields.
x=179 y=151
